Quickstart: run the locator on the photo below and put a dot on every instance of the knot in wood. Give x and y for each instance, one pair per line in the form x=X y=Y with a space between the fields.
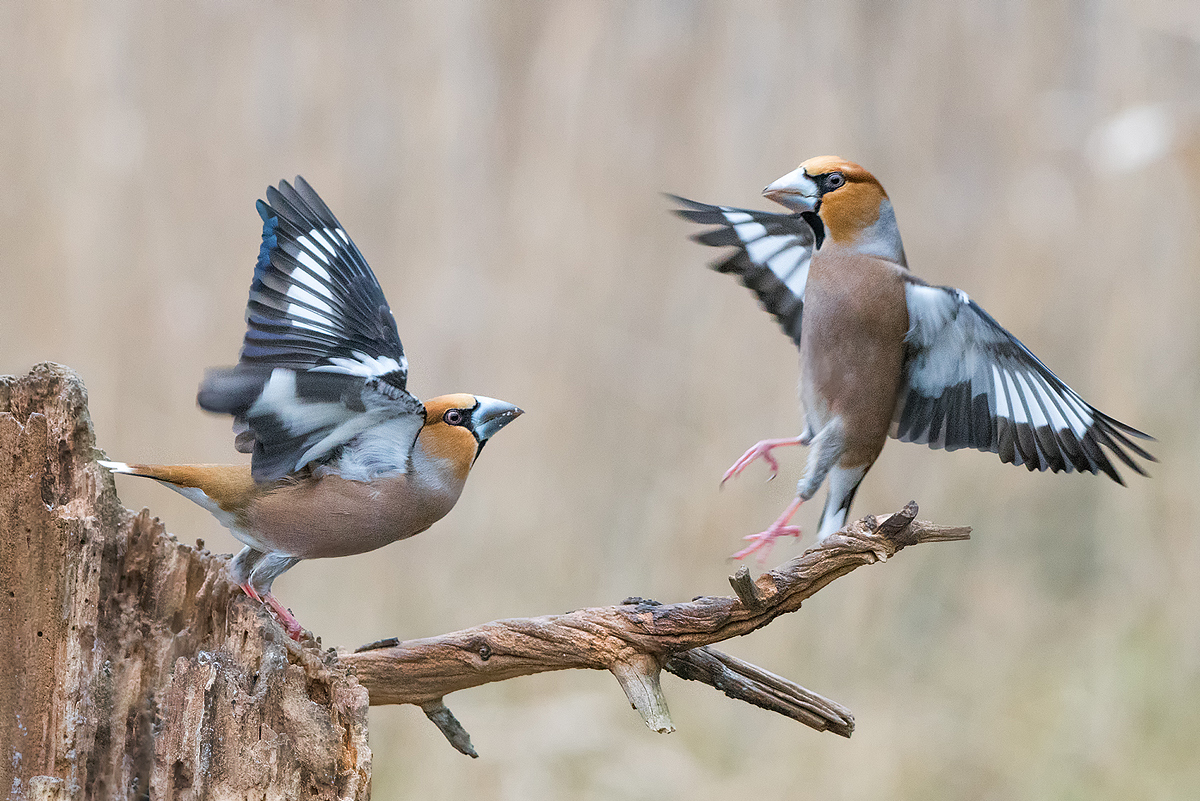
x=637 y=600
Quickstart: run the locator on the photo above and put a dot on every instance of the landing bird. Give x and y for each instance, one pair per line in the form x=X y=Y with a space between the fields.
x=884 y=353
x=344 y=460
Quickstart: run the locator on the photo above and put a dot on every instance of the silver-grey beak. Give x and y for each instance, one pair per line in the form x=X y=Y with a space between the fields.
x=795 y=190
x=491 y=415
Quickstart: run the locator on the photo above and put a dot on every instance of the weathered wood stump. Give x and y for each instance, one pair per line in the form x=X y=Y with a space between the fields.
x=132 y=668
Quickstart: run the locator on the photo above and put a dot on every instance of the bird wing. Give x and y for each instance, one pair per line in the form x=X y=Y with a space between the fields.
x=321 y=361
x=968 y=383
x=772 y=256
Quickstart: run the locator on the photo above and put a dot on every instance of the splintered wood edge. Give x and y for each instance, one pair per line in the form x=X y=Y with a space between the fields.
x=636 y=639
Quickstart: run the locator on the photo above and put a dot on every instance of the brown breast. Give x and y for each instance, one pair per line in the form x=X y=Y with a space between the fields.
x=852 y=344
x=332 y=516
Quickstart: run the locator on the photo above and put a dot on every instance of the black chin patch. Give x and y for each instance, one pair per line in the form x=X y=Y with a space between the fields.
x=814 y=222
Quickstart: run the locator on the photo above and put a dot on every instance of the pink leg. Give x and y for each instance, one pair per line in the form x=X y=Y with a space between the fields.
x=762 y=449
x=294 y=629
x=765 y=540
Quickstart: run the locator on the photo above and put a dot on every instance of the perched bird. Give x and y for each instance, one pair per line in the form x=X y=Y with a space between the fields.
x=884 y=353
x=344 y=459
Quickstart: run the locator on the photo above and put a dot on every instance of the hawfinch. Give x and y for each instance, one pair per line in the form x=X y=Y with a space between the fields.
x=344 y=460
x=884 y=353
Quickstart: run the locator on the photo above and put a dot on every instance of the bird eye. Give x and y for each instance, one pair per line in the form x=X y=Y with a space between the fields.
x=454 y=417
x=835 y=180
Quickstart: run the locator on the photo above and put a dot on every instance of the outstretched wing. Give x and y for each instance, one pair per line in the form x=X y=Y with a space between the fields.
x=314 y=302
x=321 y=361
x=970 y=384
x=772 y=256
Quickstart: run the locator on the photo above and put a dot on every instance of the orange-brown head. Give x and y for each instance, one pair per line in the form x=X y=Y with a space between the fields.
x=457 y=427
x=851 y=205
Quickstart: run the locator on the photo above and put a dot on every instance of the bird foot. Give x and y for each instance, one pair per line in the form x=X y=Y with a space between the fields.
x=284 y=616
x=763 y=541
x=282 y=613
x=762 y=450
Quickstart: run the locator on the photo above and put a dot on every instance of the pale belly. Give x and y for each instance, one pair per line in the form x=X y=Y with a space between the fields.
x=332 y=516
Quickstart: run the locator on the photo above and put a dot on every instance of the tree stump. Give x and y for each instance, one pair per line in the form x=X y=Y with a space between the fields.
x=134 y=670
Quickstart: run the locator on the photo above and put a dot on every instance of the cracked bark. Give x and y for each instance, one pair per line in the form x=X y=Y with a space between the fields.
x=135 y=670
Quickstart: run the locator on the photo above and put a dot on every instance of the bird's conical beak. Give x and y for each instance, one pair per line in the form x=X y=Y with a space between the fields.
x=491 y=415
x=795 y=190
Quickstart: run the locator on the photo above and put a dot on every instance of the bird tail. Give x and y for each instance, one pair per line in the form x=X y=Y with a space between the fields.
x=843 y=484
x=179 y=475
x=832 y=519
x=213 y=486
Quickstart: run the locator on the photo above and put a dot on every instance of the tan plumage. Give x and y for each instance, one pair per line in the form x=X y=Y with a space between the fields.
x=318 y=516
x=852 y=347
x=882 y=352
x=345 y=460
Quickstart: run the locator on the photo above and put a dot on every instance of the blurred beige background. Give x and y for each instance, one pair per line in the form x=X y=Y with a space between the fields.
x=500 y=164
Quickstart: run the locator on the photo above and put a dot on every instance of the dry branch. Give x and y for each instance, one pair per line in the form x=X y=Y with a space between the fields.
x=635 y=640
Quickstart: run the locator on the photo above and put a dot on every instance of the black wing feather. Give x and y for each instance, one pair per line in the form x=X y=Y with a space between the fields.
x=772 y=256
x=970 y=383
x=321 y=360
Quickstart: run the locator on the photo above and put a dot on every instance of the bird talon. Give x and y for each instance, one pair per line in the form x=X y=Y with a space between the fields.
x=763 y=541
x=285 y=617
x=760 y=450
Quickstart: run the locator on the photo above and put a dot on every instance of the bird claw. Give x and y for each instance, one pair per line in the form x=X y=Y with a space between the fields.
x=281 y=612
x=764 y=541
x=760 y=450
x=285 y=617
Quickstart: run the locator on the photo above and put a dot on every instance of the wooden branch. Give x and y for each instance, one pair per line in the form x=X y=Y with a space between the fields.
x=636 y=639
x=743 y=681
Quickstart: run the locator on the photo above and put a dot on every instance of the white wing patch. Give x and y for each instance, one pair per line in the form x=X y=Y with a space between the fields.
x=970 y=383
x=1001 y=404
x=761 y=250
x=304 y=295
x=279 y=398
x=326 y=244
x=946 y=340
x=315 y=278
x=364 y=365
x=380 y=449
x=786 y=255
x=772 y=258
x=384 y=424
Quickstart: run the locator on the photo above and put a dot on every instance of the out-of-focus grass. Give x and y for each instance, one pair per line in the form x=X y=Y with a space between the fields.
x=499 y=165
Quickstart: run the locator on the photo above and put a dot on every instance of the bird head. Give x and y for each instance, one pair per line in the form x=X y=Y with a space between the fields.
x=844 y=203
x=458 y=426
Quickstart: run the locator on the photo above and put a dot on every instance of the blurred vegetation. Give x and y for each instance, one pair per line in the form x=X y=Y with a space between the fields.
x=500 y=166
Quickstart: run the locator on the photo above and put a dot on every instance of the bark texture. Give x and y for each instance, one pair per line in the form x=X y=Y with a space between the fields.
x=132 y=668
